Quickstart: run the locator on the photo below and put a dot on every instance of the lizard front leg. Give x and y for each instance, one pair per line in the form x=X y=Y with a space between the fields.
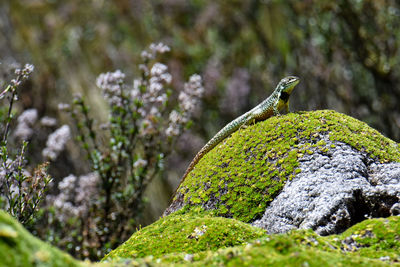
x=275 y=109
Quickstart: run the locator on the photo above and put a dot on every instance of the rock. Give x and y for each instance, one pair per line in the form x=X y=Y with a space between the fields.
x=318 y=170
x=334 y=190
x=290 y=174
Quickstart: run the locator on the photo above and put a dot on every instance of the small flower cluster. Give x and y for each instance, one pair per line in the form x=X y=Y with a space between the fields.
x=76 y=195
x=140 y=163
x=26 y=124
x=189 y=100
x=63 y=201
x=154 y=97
x=153 y=50
x=87 y=190
x=64 y=107
x=26 y=121
x=149 y=92
x=48 y=121
x=111 y=84
x=56 y=142
x=22 y=74
x=155 y=93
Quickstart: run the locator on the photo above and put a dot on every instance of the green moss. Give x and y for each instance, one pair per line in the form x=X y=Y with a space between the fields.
x=187 y=233
x=19 y=248
x=247 y=170
x=371 y=240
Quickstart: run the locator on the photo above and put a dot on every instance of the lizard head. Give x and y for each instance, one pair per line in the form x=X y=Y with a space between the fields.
x=287 y=84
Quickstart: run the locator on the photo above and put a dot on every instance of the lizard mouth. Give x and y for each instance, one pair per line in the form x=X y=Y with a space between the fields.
x=293 y=81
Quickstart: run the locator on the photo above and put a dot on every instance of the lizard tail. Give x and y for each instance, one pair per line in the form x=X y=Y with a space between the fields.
x=193 y=163
x=196 y=159
x=221 y=135
x=209 y=146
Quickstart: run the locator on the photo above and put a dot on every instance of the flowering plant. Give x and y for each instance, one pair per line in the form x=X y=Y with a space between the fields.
x=20 y=192
x=125 y=153
x=89 y=214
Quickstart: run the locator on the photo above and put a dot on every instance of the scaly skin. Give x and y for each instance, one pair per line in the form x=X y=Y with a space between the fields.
x=276 y=102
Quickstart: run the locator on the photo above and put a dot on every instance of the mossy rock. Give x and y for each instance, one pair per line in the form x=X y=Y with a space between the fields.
x=199 y=239
x=19 y=248
x=373 y=242
x=187 y=233
x=242 y=175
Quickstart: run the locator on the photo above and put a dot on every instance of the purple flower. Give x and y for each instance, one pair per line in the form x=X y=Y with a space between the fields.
x=56 y=142
x=110 y=83
x=25 y=123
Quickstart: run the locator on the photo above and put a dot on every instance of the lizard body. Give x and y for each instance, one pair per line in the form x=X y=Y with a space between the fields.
x=277 y=101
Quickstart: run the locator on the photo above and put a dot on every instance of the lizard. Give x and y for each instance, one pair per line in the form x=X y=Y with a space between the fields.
x=276 y=102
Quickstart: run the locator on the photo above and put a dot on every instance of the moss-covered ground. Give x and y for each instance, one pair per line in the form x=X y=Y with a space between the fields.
x=373 y=242
x=19 y=248
x=244 y=173
x=186 y=233
x=199 y=239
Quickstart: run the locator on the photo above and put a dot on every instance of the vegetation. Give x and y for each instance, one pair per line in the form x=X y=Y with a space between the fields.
x=94 y=212
x=20 y=192
x=133 y=146
x=373 y=242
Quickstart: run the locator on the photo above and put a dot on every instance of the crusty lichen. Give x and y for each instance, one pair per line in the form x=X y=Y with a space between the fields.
x=240 y=176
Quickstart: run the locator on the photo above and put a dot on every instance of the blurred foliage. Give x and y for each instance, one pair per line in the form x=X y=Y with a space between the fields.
x=346 y=48
x=346 y=53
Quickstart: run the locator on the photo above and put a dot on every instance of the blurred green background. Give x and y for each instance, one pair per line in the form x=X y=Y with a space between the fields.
x=346 y=53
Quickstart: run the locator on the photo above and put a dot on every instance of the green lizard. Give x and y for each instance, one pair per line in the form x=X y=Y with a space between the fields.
x=277 y=101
